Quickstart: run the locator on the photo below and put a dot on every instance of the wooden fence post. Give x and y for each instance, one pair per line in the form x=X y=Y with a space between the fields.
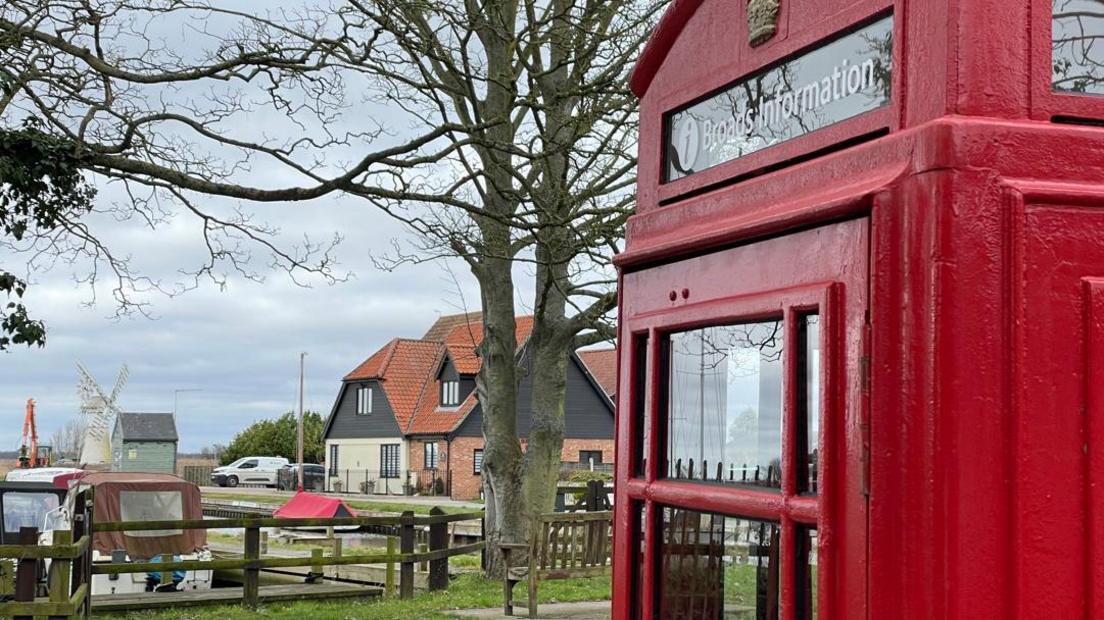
x=438 y=539
x=406 y=546
x=82 y=519
x=389 y=572
x=26 y=571
x=251 y=585
x=60 y=573
x=317 y=571
x=337 y=546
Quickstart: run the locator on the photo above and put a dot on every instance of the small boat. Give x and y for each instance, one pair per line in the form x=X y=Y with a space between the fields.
x=26 y=504
x=304 y=505
x=57 y=475
x=126 y=496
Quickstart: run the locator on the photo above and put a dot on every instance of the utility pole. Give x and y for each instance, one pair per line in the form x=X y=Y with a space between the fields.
x=176 y=398
x=299 y=440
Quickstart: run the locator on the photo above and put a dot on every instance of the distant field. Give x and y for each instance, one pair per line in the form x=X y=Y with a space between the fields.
x=7 y=465
x=183 y=461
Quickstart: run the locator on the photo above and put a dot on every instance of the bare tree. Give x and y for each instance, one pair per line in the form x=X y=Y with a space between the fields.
x=541 y=176
x=99 y=86
x=512 y=147
x=68 y=439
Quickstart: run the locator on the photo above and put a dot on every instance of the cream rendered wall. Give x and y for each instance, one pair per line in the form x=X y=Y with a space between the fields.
x=358 y=460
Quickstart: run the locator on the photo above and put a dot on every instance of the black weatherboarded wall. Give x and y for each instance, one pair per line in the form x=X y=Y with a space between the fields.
x=448 y=372
x=346 y=424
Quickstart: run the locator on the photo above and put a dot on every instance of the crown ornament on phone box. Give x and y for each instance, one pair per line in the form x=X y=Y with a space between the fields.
x=762 y=16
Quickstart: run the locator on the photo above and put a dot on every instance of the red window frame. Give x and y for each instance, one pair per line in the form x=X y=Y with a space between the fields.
x=791 y=509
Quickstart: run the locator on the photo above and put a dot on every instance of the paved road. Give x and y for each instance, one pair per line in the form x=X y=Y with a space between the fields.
x=280 y=496
x=596 y=610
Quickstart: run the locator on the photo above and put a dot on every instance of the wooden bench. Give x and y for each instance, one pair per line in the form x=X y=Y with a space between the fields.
x=563 y=545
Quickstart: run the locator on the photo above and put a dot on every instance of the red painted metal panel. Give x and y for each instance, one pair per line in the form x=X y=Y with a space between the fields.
x=985 y=249
x=622 y=556
x=1059 y=246
x=1093 y=300
x=717 y=41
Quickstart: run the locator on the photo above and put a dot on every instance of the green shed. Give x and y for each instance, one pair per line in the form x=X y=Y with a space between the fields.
x=144 y=442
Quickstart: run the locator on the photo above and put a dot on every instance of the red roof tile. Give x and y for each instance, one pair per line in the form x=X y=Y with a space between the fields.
x=429 y=417
x=402 y=368
x=370 y=368
x=461 y=343
x=463 y=340
x=445 y=324
x=407 y=372
x=602 y=365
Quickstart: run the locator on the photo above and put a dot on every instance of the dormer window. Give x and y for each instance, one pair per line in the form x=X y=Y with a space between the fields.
x=364 y=400
x=450 y=393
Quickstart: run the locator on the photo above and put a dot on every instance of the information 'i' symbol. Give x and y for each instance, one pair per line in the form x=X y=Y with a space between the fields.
x=687 y=141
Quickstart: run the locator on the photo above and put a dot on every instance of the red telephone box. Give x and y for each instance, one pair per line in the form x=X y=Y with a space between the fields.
x=862 y=318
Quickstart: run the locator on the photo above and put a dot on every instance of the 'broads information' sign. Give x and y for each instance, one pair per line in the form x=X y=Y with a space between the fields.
x=834 y=82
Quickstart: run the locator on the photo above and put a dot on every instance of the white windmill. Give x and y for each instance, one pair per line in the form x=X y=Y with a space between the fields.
x=99 y=411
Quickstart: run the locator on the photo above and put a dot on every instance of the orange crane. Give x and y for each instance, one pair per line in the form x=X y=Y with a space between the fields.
x=29 y=455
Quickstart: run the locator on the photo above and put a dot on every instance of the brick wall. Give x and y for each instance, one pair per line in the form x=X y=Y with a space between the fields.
x=465 y=484
x=572 y=447
x=425 y=479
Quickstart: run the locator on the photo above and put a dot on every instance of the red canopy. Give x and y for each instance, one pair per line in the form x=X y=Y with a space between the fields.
x=62 y=481
x=307 y=505
x=134 y=496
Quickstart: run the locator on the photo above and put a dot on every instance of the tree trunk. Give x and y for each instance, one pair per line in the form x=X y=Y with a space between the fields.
x=497 y=381
x=546 y=434
x=497 y=384
x=551 y=343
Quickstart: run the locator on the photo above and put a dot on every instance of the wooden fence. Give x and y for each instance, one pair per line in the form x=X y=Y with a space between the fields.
x=69 y=581
x=199 y=475
x=79 y=554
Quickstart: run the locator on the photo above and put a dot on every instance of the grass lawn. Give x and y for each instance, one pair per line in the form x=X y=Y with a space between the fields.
x=465 y=592
x=462 y=562
x=396 y=507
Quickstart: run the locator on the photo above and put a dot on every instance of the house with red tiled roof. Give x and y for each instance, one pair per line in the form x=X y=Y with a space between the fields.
x=377 y=399
x=408 y=419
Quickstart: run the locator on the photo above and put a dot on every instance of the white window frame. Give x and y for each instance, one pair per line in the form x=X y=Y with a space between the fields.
x=364 y=400
x=390 y=460
x=450 y=393
x=477 y=461
x=430 y=459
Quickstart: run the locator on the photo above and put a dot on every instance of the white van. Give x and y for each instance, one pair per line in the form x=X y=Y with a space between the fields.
x=249 y=470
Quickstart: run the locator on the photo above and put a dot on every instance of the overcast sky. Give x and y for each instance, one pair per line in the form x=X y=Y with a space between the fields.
x=240 y=344
x=232 y=352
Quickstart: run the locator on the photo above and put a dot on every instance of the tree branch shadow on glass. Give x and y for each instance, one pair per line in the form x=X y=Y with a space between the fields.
x=724 y=405
x=838 y=80
x=1077 y=51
